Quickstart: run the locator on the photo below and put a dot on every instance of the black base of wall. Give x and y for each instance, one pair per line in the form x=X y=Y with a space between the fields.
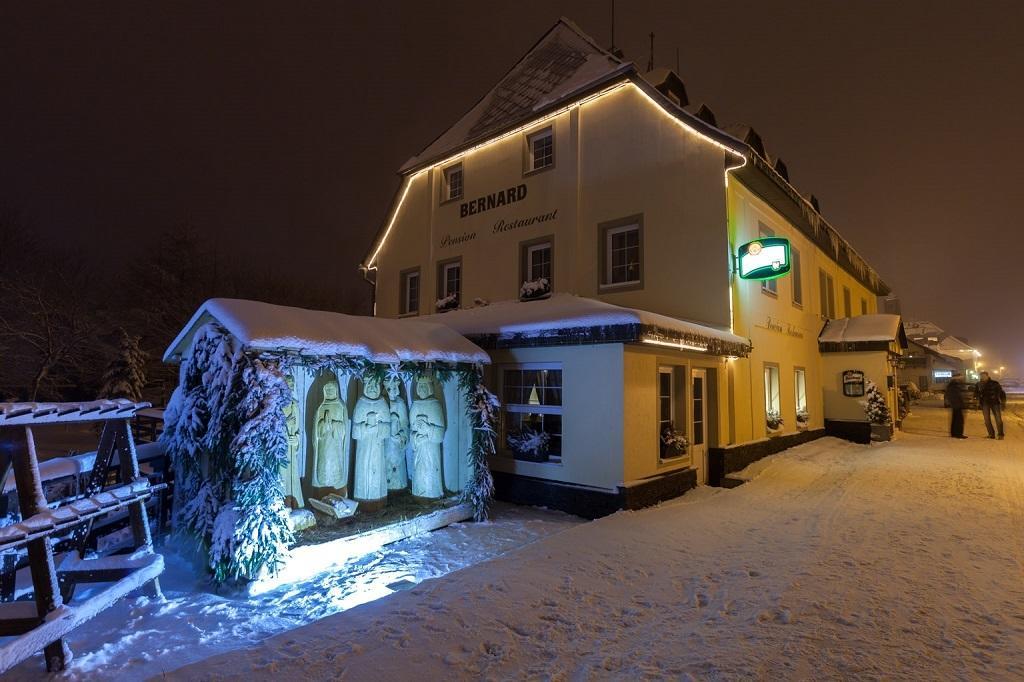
x=724 y=461
x=588 y=502
x=858 y=432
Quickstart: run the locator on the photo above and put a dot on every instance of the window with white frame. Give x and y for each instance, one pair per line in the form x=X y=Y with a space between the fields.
x=768 y=286
x=452 y=188
x=667 y=412
x=449 y=281
x=800 y=389
x=532 y=405
x=622 y=255
x=772 y=394
x=797 y=278
x=540 y=150
x=537 y=263
x=827 y=292
x=410 y=292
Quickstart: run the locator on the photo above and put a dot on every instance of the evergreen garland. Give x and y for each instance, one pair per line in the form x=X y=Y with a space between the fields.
x=482 y=408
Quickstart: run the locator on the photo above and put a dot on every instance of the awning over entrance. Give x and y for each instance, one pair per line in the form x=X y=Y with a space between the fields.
x=274 y=328
x=564 y=319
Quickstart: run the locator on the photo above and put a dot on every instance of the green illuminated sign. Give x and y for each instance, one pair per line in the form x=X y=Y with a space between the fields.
x=764 y=258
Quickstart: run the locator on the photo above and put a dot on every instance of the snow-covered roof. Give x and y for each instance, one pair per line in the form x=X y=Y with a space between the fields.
x=879 y=327
x=276 y=328
x=564 y=61
x=564 y=312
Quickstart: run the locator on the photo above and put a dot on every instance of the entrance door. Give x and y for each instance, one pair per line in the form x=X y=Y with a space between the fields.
x=699 y=448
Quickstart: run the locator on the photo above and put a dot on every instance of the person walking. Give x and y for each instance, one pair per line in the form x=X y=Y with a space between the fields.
x=954 y=399
x=992 y=401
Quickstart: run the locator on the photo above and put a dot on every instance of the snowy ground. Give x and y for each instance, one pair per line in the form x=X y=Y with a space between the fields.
x=900 y=560
x=140 y=637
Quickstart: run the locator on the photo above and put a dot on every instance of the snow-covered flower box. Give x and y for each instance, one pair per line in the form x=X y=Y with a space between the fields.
x=773 y=422
x=802 y=420
x=535 y=289
x=529 y=445
x=674 y=443
x=449 y=302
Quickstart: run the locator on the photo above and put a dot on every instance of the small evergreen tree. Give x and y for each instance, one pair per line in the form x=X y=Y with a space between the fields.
x=195 y=435
x=125 y=376
x=875 y=406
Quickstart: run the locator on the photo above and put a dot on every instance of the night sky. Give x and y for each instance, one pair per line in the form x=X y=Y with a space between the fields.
x=277 y=129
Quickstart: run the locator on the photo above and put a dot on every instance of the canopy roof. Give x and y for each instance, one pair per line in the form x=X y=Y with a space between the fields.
x=864 y=328
x=275 y=328
x=515 y=322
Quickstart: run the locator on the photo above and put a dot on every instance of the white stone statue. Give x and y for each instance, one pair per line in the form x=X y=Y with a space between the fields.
x=397 y=472
x=291 y=472
x=330 y=456
x=426 y=427
x=371 y=429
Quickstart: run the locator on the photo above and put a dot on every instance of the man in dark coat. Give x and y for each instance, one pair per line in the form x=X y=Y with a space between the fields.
x=954 y=399
x=991 y=400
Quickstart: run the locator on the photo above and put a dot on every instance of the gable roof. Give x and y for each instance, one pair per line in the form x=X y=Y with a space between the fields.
x=276 y=328
x=562 y=63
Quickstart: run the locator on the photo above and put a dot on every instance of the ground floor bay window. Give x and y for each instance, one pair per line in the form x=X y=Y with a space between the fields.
x=772 y=398
x=800 y=389
x=532 y=411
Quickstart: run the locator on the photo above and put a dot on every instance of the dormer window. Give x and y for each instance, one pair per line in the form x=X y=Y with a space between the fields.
x=452 y=188
x=540 y=150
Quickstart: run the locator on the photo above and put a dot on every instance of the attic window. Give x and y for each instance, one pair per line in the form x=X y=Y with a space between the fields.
x=540 y=150
x=675 y=98
x=452 y=188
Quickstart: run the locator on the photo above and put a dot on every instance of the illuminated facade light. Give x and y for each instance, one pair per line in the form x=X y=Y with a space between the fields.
x=679 y=345
x=408 y=180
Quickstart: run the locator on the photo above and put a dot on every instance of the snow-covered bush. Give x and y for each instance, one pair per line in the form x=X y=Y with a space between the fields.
x=449 y=302
x=125 y=375
x=912 y=390
x=875 y=407
x=773 y=419
x=675 y=442
x=225 y=432
x=535 y=289
x=529 y=443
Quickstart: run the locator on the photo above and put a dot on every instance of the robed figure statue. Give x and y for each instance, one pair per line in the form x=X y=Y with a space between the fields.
x=394 y=459
x=426 y=428
x=371 y=429
x=330 y=457
x=291 y=472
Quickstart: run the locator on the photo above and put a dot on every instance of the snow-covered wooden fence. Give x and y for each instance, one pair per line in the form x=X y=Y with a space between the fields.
x=43 y=622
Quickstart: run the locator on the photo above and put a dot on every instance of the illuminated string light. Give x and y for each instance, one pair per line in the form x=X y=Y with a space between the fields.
x=371 y=262
x=680 y=345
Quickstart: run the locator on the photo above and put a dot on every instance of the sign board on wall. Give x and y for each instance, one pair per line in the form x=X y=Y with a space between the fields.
x=943 y=374
x=764 y=258
x=853 y=383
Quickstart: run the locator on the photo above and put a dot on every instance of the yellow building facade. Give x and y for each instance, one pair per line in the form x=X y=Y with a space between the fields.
x=584 y=232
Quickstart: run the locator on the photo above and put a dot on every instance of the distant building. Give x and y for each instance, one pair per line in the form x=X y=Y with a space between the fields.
x=933 y=337
x=927 y=368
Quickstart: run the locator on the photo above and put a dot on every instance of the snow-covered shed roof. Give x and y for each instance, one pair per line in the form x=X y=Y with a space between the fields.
x=276 y=328
x=567 y=318
x=864 y=329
